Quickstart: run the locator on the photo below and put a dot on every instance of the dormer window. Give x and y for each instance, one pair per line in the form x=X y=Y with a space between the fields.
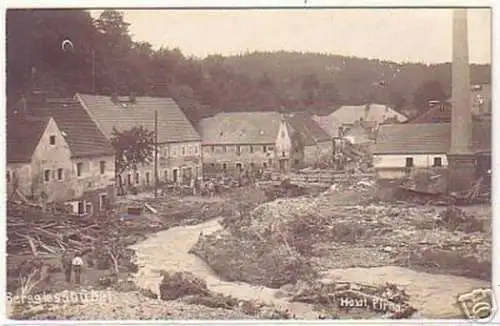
x=52 y=139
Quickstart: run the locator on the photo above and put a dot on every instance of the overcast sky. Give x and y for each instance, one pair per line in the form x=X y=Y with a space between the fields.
x=415 y=35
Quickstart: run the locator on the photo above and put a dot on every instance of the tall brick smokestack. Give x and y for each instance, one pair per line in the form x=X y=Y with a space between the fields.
x=461 y=119
x=461 y=168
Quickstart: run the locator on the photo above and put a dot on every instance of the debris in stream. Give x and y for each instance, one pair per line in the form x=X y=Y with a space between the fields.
x=277 y=242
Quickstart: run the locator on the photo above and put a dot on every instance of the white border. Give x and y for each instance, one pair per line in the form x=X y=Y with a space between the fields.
x=264 y=3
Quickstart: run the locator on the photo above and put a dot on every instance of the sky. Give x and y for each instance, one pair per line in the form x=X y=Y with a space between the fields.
x=411 y=35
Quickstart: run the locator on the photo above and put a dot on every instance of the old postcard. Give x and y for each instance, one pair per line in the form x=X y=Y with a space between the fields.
x=273 y=163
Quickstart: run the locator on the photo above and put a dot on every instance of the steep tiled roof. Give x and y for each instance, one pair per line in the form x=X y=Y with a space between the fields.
x=173 y=125
x=240 y=128
x=369 y=112
x=23 y=135
x=349 y=114
x=428 y=138
x=307 y=127
x=80 y=132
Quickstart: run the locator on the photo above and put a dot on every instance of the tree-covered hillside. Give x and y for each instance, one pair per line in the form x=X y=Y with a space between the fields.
x=279 y=80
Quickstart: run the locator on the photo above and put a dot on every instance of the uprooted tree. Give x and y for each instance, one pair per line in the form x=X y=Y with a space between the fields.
x=133 y=147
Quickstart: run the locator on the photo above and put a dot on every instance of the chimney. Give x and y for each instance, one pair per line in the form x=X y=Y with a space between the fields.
x=461 y=116
x=461 y=161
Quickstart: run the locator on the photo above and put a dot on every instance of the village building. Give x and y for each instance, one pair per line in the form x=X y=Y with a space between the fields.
x=179 y=144
x=234 y=141
x=305 y=143
x=403 y=148
x=346 y=117
x=56 y=154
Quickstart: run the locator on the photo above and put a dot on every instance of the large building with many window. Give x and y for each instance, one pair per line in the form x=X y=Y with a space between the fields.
x=179 y=144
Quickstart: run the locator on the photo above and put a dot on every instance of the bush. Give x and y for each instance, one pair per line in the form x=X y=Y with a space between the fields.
x=177 y=285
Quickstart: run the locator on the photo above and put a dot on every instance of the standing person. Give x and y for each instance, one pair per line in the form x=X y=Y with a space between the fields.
x=77 y=267
x=66 y=261
x=193 y=186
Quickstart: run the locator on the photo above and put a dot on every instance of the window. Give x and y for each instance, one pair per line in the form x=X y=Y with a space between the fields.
x=270 y=148
x=46 y=175
x=251 y=149
x=59 y=174
x=213 y=148
x=102 y=202
x=437 y=162
x=137 y=178
x=183 y=150
x=270 y=162
x=239 y=166
x=166 y=175
x=224 y=166
x=81 y=207
x=213 y=165
x=52 y=140
x=129 y=179
x=8 y=177
x=264 y=165
x=409 y=162
x=165 y=152
x=283 y=154
x=102 y=166
x=79 y=169
x=147 y=177
x=264 y=148
x=196 y=149
x=238 y=150
x=297 y=161
x=224 y=149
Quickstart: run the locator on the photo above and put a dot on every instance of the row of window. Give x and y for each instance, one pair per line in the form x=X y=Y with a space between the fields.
x=240 y=165
x=80 y=171
x=437 y=162
x=187 y=173
x=237 y=148
x=185 y=150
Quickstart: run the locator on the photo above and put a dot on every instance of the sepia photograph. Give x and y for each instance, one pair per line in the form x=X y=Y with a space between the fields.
x=249 y=163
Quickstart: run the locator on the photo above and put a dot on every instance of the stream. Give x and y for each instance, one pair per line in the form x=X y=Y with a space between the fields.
x=433 y=295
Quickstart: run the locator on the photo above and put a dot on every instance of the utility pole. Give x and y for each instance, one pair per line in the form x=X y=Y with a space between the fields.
x=93 y=71
x=156 y=154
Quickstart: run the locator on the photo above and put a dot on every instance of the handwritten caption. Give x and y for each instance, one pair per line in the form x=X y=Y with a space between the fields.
x=64 y=297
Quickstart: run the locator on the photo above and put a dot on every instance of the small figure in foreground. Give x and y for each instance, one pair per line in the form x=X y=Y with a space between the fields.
x=77 y=267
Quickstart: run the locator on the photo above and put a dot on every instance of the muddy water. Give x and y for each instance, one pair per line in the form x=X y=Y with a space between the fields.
x=433 y=295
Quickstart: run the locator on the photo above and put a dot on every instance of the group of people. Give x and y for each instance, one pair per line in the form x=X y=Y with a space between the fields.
x=72 y=263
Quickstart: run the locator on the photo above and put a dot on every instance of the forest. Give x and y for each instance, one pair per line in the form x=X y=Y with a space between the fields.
x=104 y=59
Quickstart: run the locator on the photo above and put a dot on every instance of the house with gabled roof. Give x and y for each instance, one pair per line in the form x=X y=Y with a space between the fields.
x=401 y=148
x=233 y=141
x=179 y=144
x=345 y=117
x=310 y=145
x=56 y=154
